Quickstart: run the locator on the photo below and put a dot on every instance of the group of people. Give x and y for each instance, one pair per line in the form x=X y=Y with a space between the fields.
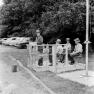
x=77 y=51
x=60 y=49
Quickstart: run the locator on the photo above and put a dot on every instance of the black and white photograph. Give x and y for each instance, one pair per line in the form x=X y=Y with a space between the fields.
x=46 y=46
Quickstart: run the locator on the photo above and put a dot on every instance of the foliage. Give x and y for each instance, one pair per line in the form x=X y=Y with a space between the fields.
x=64 y=19
x=55 y=18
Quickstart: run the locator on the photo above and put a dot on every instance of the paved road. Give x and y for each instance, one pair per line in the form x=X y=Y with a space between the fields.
x=17 y=83
x=20 y=82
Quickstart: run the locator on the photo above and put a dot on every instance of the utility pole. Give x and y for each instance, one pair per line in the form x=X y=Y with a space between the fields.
x=87 y=38
x=87 y=34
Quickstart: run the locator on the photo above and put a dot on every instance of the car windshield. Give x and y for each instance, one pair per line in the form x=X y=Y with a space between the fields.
x=5 y=39
x=13 y=38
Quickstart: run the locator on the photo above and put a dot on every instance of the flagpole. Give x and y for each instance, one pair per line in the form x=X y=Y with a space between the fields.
x=87 y=34
x=87 y=39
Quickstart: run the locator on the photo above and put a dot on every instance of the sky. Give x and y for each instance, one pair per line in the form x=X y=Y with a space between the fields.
x=1 y=3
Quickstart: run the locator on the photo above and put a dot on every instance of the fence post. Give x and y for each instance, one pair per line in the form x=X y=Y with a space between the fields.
x=35 y=56
x=32 y=54
x=29 y=49
x=47 y=56
x=54 y=57
x=66 y=62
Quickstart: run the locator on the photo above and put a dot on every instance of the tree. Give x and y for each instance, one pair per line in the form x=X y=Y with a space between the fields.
x=55 y=18
x=64 y=19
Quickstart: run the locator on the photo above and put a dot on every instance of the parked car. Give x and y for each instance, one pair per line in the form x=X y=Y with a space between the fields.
x=19 y=42
x=22 y=42
x=0 y=40
x=13 y=41
x=9 y=41
x=3 y=40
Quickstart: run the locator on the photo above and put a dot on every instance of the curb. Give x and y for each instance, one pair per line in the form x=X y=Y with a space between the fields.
x=36 y=78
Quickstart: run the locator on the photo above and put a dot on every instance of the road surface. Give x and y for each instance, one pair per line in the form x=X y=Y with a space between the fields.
x=21 y=82
x=16 y=82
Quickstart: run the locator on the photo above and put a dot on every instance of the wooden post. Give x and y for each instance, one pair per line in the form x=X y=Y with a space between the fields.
x=66 y=59
x=30 y=58
x=32 y=52
x=54 y=58
x=35 y=55
x=47 y=56
x=14 y=68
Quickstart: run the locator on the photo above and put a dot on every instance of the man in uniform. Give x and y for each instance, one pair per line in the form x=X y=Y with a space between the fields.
x=69 y=48
x=77 y=50
x=39 y=40
x=59 y=50
x=68 y=44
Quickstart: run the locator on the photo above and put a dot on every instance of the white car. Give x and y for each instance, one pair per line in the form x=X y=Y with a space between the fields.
x=14 y=41
x=3 y=40
x=9 y=41
x=19 y=42
x=22 y=41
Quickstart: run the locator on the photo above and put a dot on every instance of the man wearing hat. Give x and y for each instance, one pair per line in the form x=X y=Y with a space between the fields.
x=59 y=50
x=69 y=48
x=77 y=50
x=68 y=44
x=39 y=40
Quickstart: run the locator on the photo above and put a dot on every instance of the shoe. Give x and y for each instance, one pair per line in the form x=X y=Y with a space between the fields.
x=50 y=65
x=40 y=64
x=62 y=61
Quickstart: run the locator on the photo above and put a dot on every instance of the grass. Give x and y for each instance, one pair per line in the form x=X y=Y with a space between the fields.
x=57 y=84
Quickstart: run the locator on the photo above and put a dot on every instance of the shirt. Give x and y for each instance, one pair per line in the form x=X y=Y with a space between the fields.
x=68 y=45
x=39 y=40
x=78 y=48
x=59 y=49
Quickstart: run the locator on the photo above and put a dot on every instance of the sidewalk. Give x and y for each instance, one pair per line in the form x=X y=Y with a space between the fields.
x=19 y=82
x=57 y=84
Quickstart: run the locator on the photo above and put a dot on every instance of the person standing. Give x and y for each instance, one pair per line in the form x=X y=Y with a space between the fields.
x=39 y=40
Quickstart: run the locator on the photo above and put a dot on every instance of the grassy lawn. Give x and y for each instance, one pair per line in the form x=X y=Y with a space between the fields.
x=57 y=84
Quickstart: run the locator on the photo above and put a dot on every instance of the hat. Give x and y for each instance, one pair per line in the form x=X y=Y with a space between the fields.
x=58 y=40
x=38 y=31
x=67 y=39
x=77 y=39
